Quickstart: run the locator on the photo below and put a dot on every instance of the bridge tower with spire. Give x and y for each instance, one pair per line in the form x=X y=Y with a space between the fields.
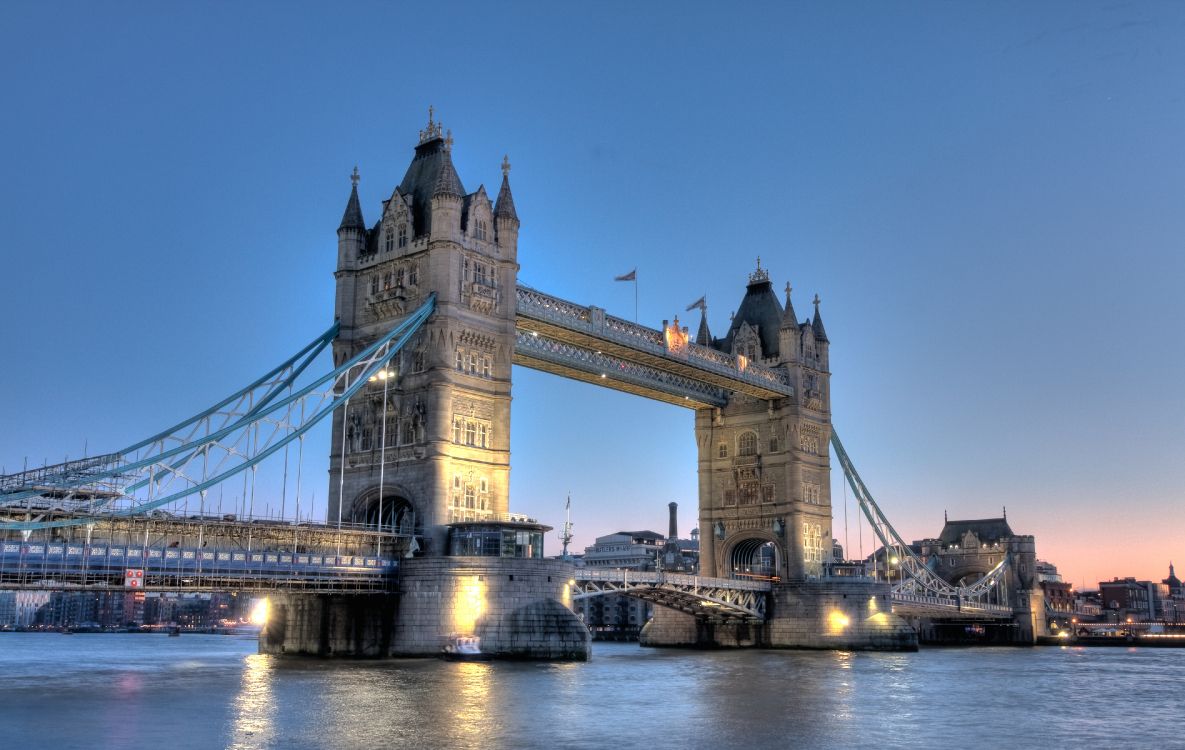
x=427 y=442
x=764 y=471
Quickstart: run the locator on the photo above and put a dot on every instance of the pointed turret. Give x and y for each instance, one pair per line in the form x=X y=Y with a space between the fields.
x=448 y=182
x=352 y=218
x=504 y=206
x=788 y=334
x=505 y=217
x=817 y=324
x=703 y=337
x=789 y=319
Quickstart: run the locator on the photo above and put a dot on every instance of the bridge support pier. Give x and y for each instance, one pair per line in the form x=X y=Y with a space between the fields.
x=815 y=614
x=516 y=608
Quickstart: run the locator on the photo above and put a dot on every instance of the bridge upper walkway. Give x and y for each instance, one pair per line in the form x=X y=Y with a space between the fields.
x=585 y=343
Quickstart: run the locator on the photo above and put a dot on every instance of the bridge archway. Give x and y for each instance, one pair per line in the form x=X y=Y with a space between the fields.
x=754 y=556
x=390 y=510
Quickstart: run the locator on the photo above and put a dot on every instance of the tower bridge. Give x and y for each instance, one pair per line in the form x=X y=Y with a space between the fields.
x=429 y=319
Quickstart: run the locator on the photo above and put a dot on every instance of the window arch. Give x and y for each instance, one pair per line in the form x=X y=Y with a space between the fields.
x=747 y=444
x=389 y=240
x=402 y=235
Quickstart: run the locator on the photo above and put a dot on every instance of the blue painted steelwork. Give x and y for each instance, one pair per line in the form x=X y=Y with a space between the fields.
x=370 y=360
x=73 y=565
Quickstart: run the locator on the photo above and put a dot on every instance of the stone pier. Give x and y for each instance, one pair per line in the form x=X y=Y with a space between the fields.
x=820 y=614
x=518 y=608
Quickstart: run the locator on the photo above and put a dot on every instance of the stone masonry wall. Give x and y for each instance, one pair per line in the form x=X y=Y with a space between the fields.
x=832 y=614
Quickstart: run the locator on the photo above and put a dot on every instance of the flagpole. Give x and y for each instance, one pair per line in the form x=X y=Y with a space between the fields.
x=635 y=295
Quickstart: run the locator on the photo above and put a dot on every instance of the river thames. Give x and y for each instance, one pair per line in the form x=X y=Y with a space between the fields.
x=205 y=691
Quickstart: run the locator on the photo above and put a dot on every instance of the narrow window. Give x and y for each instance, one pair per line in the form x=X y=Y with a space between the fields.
x=486 y=367
x=413 y=276
x=402 y=235
x=460 y=360
x=457 y=427
x=483 y=437
x=747 y=445
x=374 y=284
x=723 y=453
x=470 y=433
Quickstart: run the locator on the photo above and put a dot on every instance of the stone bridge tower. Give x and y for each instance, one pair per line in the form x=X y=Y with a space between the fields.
x=429 y=444
x=764 y=467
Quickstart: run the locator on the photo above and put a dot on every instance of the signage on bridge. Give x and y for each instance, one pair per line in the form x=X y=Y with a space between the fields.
x=133 y=578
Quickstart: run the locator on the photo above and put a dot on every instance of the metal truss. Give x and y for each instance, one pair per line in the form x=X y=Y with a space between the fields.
x=545 y=353
x=224 y=441
x=591 y=328
x=919 y=582
x=707 y=598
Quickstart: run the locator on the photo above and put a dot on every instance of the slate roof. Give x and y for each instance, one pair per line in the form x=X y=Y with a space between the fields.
x=504 y=206
x=422 y=179
x=759 y=308
x=352 y=218
x=987 y=529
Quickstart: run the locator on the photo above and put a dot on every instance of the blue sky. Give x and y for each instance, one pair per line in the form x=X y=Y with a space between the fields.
x=987 y=197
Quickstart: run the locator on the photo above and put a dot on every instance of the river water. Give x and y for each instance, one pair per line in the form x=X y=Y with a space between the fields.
x=206 y=691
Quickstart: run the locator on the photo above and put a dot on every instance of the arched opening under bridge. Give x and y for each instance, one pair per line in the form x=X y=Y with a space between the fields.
x=756 y=558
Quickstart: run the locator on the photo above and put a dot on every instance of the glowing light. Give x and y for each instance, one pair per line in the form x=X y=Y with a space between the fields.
x=872 y=604
x=383 y=375
x=837 y=621
x=260 y=612
x=469 y=604
x=893 y=560
x=1064 y=634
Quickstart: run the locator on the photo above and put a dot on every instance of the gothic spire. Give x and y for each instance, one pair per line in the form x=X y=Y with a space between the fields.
x=789 y=319
x=352 y=218
x=504 y=205
x=448 y=183
x=703 y=337
x=817 y=325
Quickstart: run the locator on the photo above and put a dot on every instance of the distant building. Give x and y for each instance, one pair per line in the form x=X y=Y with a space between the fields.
x=1127 y=598
x=612 y=616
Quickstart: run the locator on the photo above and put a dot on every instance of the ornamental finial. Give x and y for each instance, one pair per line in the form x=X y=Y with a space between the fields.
x=354 y=177
x=759 y=275
x=433 y=130
x=505 y=165
x=448 y=140
x=816 y=301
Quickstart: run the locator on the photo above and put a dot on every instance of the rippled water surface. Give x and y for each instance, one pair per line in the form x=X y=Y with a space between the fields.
x=151 y=691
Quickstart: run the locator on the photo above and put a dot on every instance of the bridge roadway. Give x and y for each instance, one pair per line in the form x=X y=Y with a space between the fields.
x=215 y=555
x=202 y=554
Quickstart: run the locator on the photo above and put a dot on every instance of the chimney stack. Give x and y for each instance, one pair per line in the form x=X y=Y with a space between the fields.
x=673 y=533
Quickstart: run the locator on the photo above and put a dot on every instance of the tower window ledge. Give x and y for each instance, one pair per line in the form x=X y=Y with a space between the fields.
x=483 y=290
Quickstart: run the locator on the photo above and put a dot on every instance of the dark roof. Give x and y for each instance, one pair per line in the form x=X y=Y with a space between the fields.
x=760 y=308
x=352 y=218
x=422 y=178
x=504 y=206
x=987 y=529
x=789 y=319
x=642 y=534
x=704 y=336
x=817 y=325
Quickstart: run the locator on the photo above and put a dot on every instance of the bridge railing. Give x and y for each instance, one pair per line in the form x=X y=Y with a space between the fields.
x=57 y=565
x=542 y=306
x=627 y=576
x=949 y=603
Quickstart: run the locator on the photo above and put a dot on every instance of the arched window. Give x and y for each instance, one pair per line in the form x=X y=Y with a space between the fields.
x=402 y=235
x=747 y=444
x=389 y=240
x=374 y=284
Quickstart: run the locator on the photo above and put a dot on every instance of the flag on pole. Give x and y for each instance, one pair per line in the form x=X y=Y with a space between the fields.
x=631 y=276
x=701 y=303
x=568 y=505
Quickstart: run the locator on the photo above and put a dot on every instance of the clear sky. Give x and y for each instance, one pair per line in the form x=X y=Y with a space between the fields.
x=988 y=197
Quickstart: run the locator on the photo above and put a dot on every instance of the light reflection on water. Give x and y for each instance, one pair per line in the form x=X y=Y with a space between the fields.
x=210 y=691
x=255 y=705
